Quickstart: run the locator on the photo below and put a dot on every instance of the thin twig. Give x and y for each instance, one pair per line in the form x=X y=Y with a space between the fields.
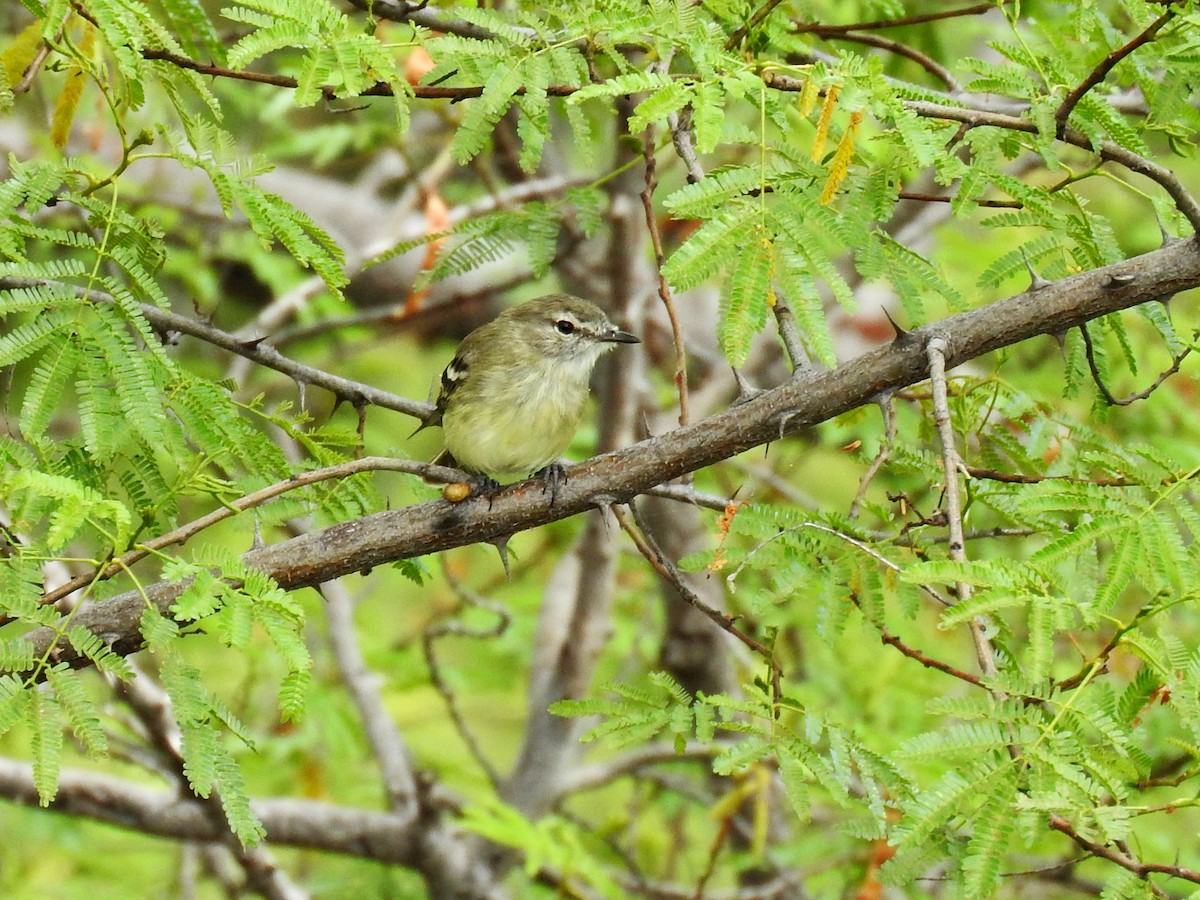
x=827 y=30
x=164 y=321
x=630 y=523
x=753 y=22
x=887 y=407
x=32 y=69
x=884 y=635
x=1090 y=352
x=785 y=321
x=935 y=350
x=1141 y=869
x=731 y=578
x=926 y=62
x=948 y=198
x=1106 y=65
x=249 y=501
x=928 y=661
x=664 y=289
x=454 y=627
x=1021 y=478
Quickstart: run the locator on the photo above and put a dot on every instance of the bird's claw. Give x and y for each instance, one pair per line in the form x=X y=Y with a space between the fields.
x=555 y=475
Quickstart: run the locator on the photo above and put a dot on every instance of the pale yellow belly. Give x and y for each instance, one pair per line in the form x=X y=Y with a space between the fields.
x=514 y=440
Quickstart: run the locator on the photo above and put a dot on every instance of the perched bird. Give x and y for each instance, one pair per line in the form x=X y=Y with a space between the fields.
x=512 y=397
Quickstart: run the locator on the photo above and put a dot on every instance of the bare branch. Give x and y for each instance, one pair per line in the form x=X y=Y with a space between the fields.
x=924 y=60
x=434 y=847
x=936 y=348
x=387 y=744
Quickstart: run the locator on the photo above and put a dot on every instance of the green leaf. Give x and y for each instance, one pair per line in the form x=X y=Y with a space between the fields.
x=744 y=308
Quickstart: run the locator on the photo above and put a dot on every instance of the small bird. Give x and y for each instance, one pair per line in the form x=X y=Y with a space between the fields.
x=512 y=397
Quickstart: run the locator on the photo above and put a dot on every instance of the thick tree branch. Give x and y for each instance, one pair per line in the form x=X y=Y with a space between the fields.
x=363 y=685
x=616 y=477
x=381 y=836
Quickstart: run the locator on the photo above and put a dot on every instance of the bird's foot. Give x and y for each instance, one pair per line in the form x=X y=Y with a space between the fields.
x=556 y=476
x=484 y=486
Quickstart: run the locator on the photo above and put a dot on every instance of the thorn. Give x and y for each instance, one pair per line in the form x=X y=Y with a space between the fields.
x=1036 y=281
x=901 y=334
x=1167 y=237
x=1060 y=338
x=1165 y=300
x=253 y=343
x=501 y=545
x=604 y=503
x=647 y=432
x=746 y=391
x=785 y=421
x=1118 y=280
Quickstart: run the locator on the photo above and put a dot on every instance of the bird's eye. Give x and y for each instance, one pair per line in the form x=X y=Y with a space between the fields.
x=565 y=326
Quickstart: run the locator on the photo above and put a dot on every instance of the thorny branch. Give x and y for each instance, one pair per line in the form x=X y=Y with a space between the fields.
x=346 y=390
x=615 y=477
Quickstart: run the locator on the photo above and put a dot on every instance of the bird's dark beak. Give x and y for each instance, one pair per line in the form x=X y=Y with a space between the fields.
x=622 y=337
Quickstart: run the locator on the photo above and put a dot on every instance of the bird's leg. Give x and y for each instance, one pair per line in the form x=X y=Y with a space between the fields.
x=556 y=476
